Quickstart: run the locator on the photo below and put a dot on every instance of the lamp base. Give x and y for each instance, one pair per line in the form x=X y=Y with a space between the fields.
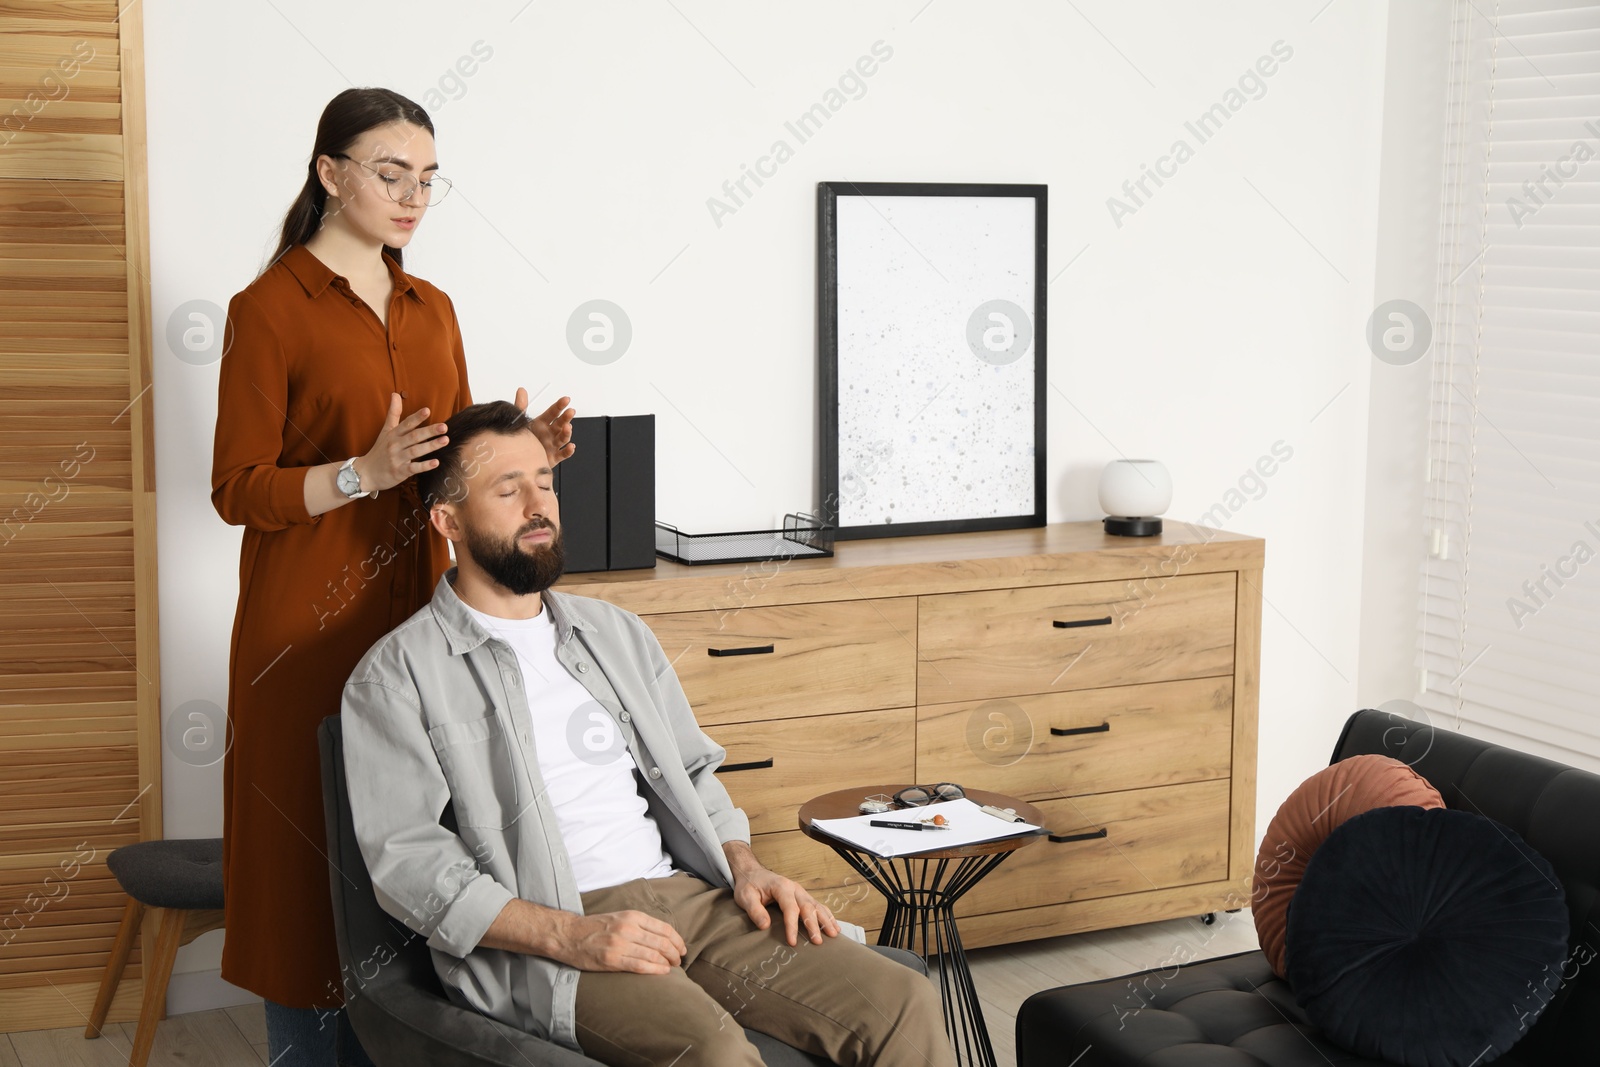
x=1132 y=526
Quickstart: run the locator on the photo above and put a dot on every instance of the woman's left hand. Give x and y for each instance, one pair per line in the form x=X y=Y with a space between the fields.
x=554 y=427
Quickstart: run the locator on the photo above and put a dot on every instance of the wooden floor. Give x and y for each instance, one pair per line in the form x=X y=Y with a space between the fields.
x=227 y=1037
x=1005 y=976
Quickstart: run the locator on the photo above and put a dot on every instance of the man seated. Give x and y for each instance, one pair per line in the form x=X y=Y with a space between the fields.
x=532 y=793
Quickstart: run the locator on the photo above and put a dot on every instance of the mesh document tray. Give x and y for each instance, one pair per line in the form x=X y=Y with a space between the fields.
x=802 y=537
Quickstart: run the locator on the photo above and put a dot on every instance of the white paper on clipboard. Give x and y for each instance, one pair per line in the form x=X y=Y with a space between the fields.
x=969 y=825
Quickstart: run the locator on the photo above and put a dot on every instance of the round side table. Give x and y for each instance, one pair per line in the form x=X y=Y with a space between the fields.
x=920 y=892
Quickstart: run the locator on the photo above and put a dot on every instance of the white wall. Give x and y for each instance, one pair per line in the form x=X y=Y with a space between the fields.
x=1407 y=267
x=1224 y=315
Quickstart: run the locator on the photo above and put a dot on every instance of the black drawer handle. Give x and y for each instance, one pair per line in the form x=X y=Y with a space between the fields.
x=1090 y=836
x=1103 y=728
x=753 y=765
x=753 y=650
x=1073 y=624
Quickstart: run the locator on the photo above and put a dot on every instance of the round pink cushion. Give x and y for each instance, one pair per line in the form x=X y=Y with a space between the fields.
x=1312 y=812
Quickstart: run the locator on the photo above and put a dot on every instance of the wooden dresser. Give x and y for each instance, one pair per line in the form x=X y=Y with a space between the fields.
x=1111 y=681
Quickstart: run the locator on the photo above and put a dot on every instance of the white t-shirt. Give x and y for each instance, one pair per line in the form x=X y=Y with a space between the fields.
x=587 y=768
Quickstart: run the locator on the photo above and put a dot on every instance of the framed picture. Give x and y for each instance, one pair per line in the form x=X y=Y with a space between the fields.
x=931 y=357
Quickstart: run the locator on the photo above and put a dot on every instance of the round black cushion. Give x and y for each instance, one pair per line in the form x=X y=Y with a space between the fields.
x=1424 y=937
x=171 y=874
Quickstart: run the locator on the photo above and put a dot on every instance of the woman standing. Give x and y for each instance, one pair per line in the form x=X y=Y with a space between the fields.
x=339 y=371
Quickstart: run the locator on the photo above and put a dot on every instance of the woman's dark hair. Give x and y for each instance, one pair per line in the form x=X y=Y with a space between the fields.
x=347 y=116
x=458 y=460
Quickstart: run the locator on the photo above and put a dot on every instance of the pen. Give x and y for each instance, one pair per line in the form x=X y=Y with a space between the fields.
x=903 y=825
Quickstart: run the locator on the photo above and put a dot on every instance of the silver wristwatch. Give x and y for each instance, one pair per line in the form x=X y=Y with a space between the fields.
x=350 y=481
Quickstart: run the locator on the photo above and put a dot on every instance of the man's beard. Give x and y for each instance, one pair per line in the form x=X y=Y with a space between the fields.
x=520 y=570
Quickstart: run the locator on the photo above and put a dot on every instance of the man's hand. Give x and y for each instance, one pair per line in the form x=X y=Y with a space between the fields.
x=607 y=941
x=620 y=941
x=554 y=427
x=754 y=887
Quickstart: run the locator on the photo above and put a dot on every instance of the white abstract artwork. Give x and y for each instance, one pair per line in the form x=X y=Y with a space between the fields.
x=936 y=360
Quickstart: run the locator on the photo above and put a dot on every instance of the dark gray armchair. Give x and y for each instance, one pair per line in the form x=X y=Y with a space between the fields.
x=399 y=1009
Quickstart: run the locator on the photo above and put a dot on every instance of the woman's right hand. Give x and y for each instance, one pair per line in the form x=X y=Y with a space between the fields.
x=392 y=457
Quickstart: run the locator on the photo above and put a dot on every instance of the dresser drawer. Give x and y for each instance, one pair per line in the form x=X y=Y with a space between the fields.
x=796 y=759
x=1008 y=642
x=1153 y=838
x=1090 y=741
x=800 y=659
x=824 y=875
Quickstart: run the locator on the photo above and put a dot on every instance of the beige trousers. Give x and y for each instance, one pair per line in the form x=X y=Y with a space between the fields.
x=839 y=1000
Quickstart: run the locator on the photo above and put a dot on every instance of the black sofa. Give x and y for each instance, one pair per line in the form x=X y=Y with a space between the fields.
x=1234 y=1012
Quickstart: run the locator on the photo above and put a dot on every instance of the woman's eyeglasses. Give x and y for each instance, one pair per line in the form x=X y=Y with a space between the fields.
x=402 y=186
x=917 y=795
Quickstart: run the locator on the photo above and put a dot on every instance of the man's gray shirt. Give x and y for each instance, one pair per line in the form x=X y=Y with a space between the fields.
x=435 y=716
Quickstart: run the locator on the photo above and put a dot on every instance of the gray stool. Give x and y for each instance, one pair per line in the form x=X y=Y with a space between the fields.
x=181 y=883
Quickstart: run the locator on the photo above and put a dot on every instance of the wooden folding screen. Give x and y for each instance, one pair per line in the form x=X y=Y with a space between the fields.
x=79 y=712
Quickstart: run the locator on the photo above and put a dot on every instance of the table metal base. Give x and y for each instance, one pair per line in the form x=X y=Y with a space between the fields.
x=919 y=915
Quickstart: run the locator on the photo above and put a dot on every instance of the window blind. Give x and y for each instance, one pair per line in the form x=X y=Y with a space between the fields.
x=1509 y=645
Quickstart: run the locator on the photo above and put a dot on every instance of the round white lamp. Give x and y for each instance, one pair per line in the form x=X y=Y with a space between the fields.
x=1133 y=494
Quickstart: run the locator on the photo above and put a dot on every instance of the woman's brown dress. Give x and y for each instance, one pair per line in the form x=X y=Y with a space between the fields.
x=305 y=380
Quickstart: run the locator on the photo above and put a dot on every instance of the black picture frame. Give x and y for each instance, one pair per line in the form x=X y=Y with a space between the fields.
x=844 y=506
